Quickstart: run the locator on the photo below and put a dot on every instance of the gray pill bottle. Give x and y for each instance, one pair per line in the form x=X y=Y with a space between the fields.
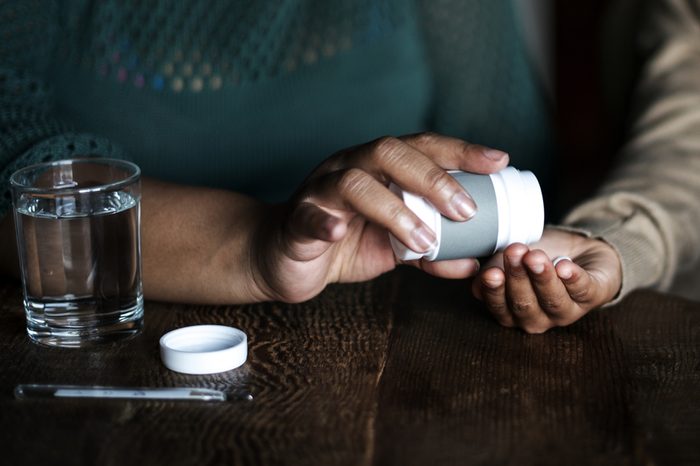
x=510 y=210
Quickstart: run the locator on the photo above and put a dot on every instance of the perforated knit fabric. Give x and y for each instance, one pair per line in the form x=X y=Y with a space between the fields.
x=166 y=55
x=197 y=45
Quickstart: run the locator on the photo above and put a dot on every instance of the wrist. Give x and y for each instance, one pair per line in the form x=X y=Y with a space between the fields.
x=250 y=270
x=616 y=271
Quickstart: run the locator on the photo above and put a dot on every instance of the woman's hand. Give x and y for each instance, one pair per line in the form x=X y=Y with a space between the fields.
x=335 y=229
x=521 y=287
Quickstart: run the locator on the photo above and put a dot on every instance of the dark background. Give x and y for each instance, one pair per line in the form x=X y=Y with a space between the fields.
x=595 y=66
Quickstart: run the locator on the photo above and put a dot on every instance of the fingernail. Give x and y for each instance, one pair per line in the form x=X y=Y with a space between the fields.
x=424 y=238
x=464 y=204
x=330 y=223
x=565 y=274
x=492 y=283
x=495 y=154
x=537 y=268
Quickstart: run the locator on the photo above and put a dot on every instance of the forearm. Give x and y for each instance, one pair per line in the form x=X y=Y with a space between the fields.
x=648 y=210
x=196 y=244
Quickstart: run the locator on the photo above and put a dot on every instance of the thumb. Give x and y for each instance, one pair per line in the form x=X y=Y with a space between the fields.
x=310 y=231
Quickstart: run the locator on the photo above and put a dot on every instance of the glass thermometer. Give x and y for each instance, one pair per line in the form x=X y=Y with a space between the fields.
x=77 y=391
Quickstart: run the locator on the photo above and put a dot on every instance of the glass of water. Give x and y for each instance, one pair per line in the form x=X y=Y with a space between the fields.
x=78 y=235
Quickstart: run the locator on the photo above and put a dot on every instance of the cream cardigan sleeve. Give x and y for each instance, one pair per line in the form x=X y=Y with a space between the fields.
x=649 y=208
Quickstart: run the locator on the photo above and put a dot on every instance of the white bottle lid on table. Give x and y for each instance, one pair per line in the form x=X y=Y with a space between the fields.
x=204 y=349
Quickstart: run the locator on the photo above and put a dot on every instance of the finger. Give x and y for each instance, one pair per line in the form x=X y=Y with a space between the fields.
x=455 y=269
x=391 y=159
x=352 y=191
x=578 y=283
x=520 y=295
x=310 y=222
x=552 y=295
x=494 y=261
x=493 y=292
x=310 y=231
x=453 y=153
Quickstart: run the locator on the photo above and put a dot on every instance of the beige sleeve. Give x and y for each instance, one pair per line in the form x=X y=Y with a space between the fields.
x=649 y=209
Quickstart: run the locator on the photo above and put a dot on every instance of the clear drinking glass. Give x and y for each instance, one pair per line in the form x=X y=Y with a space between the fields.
x=78 y=235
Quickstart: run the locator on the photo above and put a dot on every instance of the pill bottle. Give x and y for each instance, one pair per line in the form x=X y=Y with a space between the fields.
x=510 y=210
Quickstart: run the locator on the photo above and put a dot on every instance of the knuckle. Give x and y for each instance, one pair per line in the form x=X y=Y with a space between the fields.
x=553 y=303
x=352 y=181
x=437 y=180
x=394 y=212
x=579 y=295
x=523 y=307
x=385 y=149
x=425 y=138
x=466 y=148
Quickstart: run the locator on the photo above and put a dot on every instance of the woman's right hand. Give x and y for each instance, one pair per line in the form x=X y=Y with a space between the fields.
x=335 y=228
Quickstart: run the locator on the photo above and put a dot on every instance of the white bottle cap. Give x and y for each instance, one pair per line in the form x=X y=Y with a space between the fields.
x=428 y=215
x=204 y=349
x=520 y=207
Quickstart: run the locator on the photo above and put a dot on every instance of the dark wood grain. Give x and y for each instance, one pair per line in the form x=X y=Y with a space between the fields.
x=403 y=370
x=459 y=386
x=312 y=370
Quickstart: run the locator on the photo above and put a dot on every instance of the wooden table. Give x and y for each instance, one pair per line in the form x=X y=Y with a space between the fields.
x=400 y=371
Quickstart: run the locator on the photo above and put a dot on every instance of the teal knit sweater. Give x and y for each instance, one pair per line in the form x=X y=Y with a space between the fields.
x=251 y=95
